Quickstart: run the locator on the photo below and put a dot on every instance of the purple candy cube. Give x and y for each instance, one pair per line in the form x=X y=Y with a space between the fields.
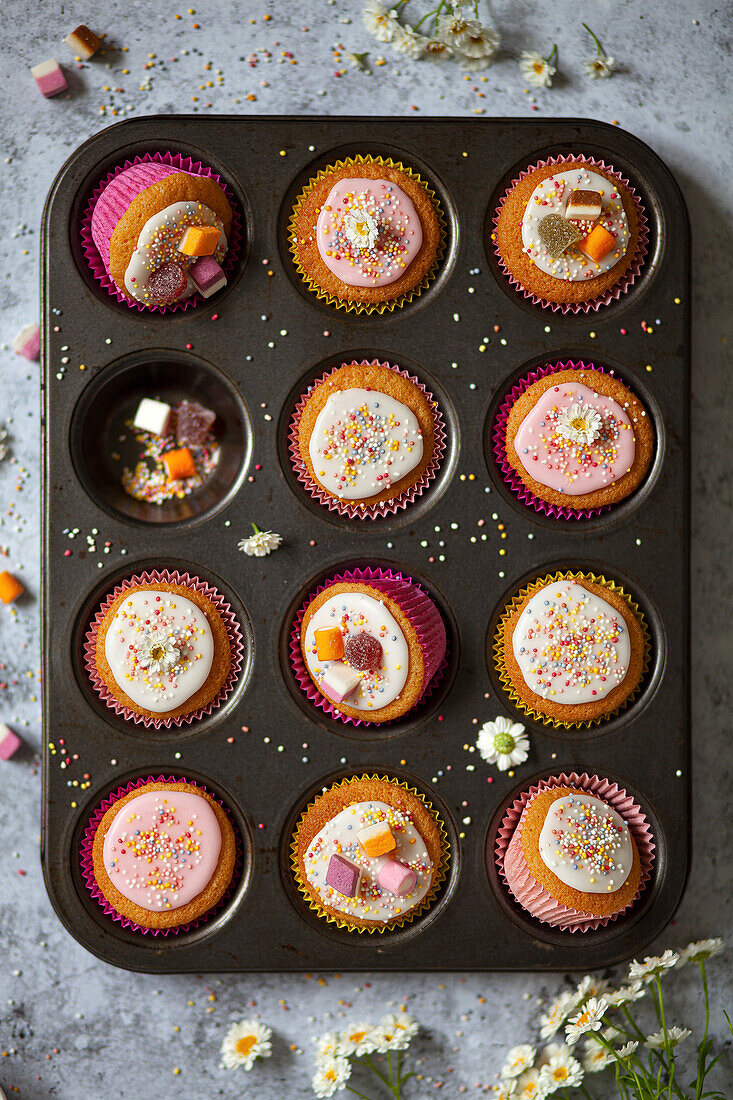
x=343 y=875
x=9 y=742
x=49 y=77
x=207 y=276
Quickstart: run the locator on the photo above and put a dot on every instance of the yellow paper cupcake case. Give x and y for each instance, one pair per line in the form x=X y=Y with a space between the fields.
x=439 y=876
x=365 y=307
x=498 y=648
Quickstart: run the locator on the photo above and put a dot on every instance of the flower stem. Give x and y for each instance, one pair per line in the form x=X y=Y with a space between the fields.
x=357 y=1093
x=382 y=1077
x=599 y=47
x=552 y=55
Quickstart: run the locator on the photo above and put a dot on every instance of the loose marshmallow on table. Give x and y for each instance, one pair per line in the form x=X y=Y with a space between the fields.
x=28 y=342
x=49 y=77
x=153 y=416
x=83 y=42
x=208 y=276
x=339 y=681
x=9 y=742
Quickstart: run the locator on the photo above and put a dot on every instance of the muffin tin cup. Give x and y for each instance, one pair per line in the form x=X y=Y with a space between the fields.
x=364 y=510
x=627 y=279
x=625 y=807
x=184 y=164
x=234 y=634
x=86 y=859
x=399 y=588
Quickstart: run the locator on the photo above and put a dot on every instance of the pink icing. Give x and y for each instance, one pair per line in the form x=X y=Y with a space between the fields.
x=162 y=848
x=398 y=242
x=567 y=466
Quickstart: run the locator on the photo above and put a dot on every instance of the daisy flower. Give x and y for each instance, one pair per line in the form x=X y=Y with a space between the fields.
x=537 y=69
x=361 y=228
x=518 y=1059
x=579 y=423
x=674 y=1036
x=600 y=66
x=590 y=987
x=3 y=444
x=634 y=991
x=596 y=1057
x=328 y=1046
x=394 y=1033
x=406 y=41
x=562 y=1071
x=627 y=1049
x=530 y=1086
x=436 y=50
x=158 y=653
x=558 y=1014
x=331 y=1076
x=260 y=544
x=503 y=743
x=652 y=966
x=379 y=20
x=505 y=1090
x=700 y=951
x=588 y=1019
x=244 y=1043
x=357 y=1039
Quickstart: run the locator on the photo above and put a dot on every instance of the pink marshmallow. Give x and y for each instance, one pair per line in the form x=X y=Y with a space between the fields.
x=339 y=681
x=397 y=878
x=49 y=77
x=9 y=742
x=28 y=342
x=208 y=276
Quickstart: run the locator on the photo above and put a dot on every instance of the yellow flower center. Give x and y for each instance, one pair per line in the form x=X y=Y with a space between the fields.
x=357 y=1036
x=330 y=1075
x=560 y=1074
x=245 y=1044
x=579 y=424
x=157 y=651
x=538 y=66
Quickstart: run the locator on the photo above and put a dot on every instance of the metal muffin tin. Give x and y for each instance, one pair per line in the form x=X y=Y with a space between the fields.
x=270 y=337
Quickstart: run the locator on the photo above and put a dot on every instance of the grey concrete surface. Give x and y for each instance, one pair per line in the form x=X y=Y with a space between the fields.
x=74 y=1028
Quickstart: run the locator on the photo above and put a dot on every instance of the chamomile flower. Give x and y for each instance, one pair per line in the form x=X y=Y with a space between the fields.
x=505 y=1089
x=395 y=1032
x=536 y=69
x=596 y=1056
x=700 y=951
x=518 y=1060
x=358 y=1039
x=579 y=422
x=530 y=1086
x=328 y=1046
x=437 y=50
x=627 y=994
x=244 y=1043
x=379 y=20
x=674 y=1036
x=408 y=42
x=588 y=1019
x=557 y=1014
x=562 y=1071
x=261 y=543
x=158 y=652
x=331 y=1076
x=627 y=1049
x=652 y=966
x=503 y=743
x=590 y=987
x=600 y=66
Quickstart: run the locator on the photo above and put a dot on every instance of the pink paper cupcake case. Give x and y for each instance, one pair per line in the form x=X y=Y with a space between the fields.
x=234 y=634
x=511 y=477
x=545 y=908
x=87 y=859
x=626 y=280
x=152 y=168
x=382 y=508
x=418 y=607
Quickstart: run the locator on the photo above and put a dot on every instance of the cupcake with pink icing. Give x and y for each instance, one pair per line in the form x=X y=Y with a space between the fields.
x=366 y=234
x=160 y=232
x=159 y=855
x=575 y=851
x=572 y=439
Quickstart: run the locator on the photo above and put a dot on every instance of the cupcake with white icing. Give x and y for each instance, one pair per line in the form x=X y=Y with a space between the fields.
x=368 y=645
x=161 y=232
x=575 y=851
x=366 y=439
x=366 y=234
x=570 y=233
x=571 y=649
x=369 y=853
x=163 y=649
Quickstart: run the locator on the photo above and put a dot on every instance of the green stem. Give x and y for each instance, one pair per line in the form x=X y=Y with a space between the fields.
x=382 y=1077
x=599 y=47
x=701 y=1076
x=552 y=55
x=255 y=528
x=357 y=1093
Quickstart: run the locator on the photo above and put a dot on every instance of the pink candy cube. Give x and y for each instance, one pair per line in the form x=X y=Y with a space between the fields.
x=207 y=276
x=339 y=681
x=49 y=77
x=397 y=878
x=9 y=742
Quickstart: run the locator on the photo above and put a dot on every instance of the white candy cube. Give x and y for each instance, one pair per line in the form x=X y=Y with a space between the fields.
x=339 y=681
x=153 y=416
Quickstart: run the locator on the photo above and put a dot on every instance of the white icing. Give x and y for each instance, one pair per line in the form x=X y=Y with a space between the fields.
x=586 y=844
x=363 y=441
x=571 y=646
x=355 y=612
x=549 y=198
x=339 y=835
x=150 y=254
x=160 y=687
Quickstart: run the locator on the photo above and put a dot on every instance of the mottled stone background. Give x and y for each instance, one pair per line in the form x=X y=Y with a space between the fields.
x=75 y=1028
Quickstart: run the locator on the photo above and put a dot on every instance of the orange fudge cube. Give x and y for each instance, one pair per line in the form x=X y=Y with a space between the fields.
x=376 y=840
x=199 y=240
x=329 y=644
x=598 y=243
x=180 y=464
x=10 y=587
